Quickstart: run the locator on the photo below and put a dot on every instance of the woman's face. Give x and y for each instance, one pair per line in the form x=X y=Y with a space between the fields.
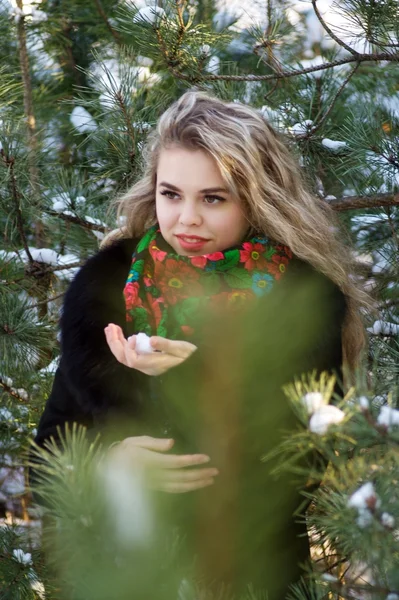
x=192 y=200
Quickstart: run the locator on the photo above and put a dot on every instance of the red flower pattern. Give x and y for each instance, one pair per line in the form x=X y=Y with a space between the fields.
x=155 y=308
x=177 y=281
x=277 y=267
x=215 y=256
x=198 y=261
x=156 y=253
x=131 y=293
x=252 y=256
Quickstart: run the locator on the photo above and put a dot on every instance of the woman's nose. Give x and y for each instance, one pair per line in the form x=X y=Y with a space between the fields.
x=190 y=215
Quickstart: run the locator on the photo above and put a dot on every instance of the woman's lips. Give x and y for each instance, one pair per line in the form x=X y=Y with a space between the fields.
x=191 y=243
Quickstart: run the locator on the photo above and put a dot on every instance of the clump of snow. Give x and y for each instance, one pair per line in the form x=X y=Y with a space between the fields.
x=82 y=120
x=205 y=49
x=300 y=129
x=38 y=587
x=61 y=202
x=67 y=259
x=44 y=255
x=143 y=125
x=384 y=328
x=51 y=367
x=388 y=417
x=143 y=345
x=98 y=234
x=323 y=417
x=213 y=64
x=364 y=403
x=365 y=500
x=313 y=401
x=272 y=115
x=333 y=145
x=22 y=393
x=5 y=415
x=17 y=13
x=23 y=557
x=7 y=380
x=95 y=221
x=37 y=16
x=387 y=520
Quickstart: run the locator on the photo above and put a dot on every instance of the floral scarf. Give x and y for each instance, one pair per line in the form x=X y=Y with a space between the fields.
x=165 y=292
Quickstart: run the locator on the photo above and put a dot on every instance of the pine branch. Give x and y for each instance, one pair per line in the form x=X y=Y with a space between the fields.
x=77 y=220
x=121 y=102
x=331 y=33
x=48 y=269
x=180 y=4
x=321 y=122
x=103 y=15
x=52 y=299
x=9 y=161
x=267 y=44
x=374 y=57
x=13 y=392
x=70 y=60
x=355 y=202
x=30 y=116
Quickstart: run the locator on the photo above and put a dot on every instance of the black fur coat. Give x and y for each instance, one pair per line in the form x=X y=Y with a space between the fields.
x=91 y=387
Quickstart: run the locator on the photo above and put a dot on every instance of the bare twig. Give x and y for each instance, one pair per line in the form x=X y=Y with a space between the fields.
x=47 y=300
x=30 y=117
x=121 y=102
x=317 y=126
x=267 y=43
x=47 y=270
x=9 y=162
x=354 y=202
x=377 y=43
x=376 y=57
x=331 y=33
x=103 y=15
x=180 y=7
x=77 y=220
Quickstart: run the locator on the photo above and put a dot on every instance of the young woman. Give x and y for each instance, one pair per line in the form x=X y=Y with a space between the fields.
x=235 y=271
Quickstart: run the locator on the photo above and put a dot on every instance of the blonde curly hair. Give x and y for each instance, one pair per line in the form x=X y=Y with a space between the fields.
x=259 y=167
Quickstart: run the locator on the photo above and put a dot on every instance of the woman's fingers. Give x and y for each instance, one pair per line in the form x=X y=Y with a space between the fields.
x=179 y=461
x=114 y=343
x=149 y=450
x=165 y=472
x=151 y=443
x=188 y=475
x=181 y=488
x=178 y=348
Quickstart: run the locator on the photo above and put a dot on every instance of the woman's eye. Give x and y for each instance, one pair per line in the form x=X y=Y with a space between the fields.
x=214 y=198
x=166 y=193
x=172 y=196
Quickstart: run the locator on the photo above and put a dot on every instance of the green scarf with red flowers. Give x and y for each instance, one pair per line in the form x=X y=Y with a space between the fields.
x=165 y=292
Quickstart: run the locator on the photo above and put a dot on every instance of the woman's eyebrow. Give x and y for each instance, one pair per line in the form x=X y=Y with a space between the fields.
x=205 y=191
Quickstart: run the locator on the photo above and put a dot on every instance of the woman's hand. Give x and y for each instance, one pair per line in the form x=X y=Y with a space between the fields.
x=171 y=352
x=164 y=472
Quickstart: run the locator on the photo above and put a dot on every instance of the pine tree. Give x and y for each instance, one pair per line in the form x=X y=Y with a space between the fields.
x=80 y=86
